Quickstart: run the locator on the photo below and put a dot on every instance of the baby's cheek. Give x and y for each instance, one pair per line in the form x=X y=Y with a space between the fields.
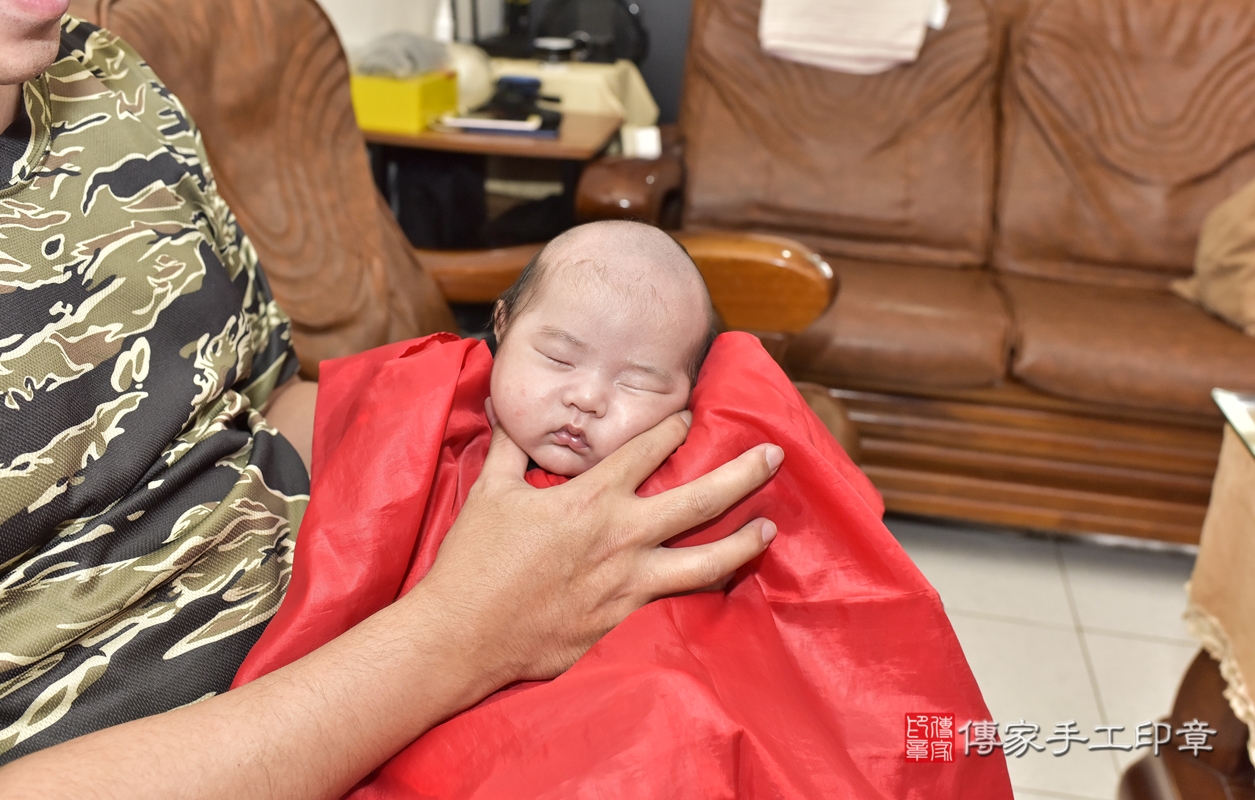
x=522 y=405
x=643 y=417
x=510 y=396
x=621 y=435
x=523 y=398
x=520 y=416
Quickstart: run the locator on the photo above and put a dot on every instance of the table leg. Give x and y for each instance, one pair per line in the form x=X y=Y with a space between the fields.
x=438 y=197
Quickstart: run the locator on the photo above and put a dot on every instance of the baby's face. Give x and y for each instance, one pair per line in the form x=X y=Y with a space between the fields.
x=581 y=371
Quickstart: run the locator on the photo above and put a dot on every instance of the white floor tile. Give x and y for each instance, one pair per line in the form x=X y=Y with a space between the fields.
x=1028 y=794
x=1137 y=679
x=1129 y=591
x=1037 y=673
x=988 y=573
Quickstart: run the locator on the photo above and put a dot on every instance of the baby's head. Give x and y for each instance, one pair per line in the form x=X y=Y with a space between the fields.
x=600 y=339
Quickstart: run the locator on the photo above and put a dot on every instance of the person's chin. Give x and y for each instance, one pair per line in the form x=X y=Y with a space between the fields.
x=30 y=56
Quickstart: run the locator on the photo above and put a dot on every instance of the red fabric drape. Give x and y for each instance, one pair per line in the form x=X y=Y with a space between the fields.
x=793 y=684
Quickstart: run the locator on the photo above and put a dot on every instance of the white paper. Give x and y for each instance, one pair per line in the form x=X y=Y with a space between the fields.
x=641 y=141
x=938 y=14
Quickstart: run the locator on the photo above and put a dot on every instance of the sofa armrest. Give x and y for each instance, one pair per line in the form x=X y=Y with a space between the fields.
x=476 y=276
x=762 y=283
x=832 y=411
x=757 y=283
x=615 y=187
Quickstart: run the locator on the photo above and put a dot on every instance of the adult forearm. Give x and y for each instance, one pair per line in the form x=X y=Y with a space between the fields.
x=290 y=410
x=309 y=730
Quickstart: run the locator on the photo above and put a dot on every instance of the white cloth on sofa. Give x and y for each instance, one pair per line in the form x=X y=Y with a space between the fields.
x=848 y=35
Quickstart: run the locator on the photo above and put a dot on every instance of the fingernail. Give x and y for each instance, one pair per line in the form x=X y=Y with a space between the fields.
x=768 y=531
x=775 y=456
x=687 y=416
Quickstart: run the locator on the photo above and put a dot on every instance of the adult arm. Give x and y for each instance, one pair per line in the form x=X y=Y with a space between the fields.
x=523 y=584
x=290 y=409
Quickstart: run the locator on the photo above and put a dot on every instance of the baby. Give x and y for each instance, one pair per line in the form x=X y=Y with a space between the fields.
x=600 y=339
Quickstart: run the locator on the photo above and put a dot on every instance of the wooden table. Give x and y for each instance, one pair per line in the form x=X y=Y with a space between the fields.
x=1216 y=688
x=406 y=166
x=1221 y=610
x=580 y=138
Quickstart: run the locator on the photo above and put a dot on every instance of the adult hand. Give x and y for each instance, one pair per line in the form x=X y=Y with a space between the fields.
x=543 y=573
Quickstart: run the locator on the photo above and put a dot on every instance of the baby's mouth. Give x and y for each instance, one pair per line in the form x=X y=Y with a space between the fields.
x=572 y=438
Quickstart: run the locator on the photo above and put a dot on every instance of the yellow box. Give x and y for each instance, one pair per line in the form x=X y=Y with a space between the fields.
x=403 y=105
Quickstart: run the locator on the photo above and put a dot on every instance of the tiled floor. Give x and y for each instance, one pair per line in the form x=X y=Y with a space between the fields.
x=1058 y=629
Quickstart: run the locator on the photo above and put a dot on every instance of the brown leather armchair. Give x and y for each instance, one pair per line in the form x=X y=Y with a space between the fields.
x=267 y=82
x=1004 y=215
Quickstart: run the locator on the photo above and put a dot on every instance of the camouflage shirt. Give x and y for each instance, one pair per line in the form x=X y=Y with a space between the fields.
x=147 y=510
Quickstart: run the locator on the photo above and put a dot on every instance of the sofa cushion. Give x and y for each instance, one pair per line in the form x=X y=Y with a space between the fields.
x=1125 y=122
x=1224 y=269
x=1141 y=348
x=908 y=326
x=892 y=167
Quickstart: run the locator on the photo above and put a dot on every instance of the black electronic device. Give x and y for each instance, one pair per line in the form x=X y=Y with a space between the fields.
x=607 y=30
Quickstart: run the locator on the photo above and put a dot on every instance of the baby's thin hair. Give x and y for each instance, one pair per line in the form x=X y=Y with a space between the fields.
x=514 y=300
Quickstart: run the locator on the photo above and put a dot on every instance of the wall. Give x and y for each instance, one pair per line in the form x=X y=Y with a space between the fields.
x=663 y=69
x=359 y=21
x=668 y=24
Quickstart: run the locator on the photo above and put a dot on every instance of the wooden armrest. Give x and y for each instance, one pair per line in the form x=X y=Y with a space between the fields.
x=476 y=276
x=762 y=283
x=615 y=187
x=757 y=283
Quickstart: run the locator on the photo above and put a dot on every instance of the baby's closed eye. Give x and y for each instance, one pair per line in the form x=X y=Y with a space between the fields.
x=643 y=384
x=556 y=359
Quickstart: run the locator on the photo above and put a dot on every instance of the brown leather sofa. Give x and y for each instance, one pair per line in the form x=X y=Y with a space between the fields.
x=267 y=83
x=1004 y=215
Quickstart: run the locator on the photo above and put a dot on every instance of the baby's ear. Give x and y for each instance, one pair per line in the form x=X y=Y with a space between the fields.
x=498 y=318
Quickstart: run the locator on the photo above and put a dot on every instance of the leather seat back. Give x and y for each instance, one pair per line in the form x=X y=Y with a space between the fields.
x=891 y=167
x=267 y=82
x=1125 y=122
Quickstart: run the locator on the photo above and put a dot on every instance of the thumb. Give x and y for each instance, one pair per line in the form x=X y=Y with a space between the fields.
x=505 y=459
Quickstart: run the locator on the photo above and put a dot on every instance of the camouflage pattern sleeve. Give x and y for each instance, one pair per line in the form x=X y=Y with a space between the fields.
x=147 y=510
x=272 y=359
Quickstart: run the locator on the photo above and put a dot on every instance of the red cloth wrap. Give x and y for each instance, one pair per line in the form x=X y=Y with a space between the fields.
x=793 y=684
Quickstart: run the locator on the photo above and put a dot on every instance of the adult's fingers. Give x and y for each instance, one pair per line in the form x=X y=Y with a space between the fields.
x=488 y=412
x=686 y=569
x=505 y=459
x=635 y=461
x=717 y=586
x=705 y=498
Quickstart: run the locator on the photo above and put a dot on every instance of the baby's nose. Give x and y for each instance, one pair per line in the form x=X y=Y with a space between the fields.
x=587 y=398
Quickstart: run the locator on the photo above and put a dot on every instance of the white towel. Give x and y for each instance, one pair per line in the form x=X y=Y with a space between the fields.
x=848 y=35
